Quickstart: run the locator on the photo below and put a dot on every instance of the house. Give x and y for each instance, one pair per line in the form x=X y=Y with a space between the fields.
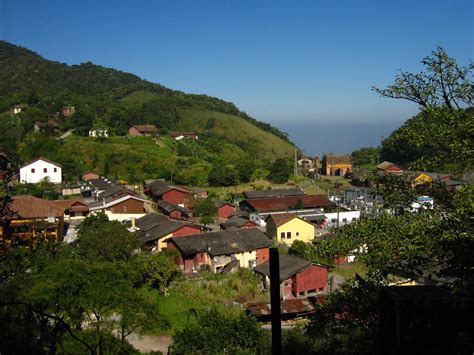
x=305 y=206
x=237 y=222
x=155 y=229
x=424 y=177
x=160 y=190
x=183 y=135
x=73 y=209
x=29 y=217
x=336 y=164
x=19 y=108
x=221 y=251
x=224 y=209
x=174 y=211
x=51 y=125
x=298 y=277
x=273 y=193
x=71 y=189
x=90 y=175
x=143 y=130
x=306 y=164
x=40 y=169
x=98 y=132
x=288 y=227
x=119 y=204
x=389 y=168
x=68 y=111
x=200 y=193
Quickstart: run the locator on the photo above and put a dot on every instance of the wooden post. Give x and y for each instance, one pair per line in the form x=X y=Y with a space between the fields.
x=275 y=300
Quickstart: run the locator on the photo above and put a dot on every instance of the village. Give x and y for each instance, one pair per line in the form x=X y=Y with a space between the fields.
x=240 y=231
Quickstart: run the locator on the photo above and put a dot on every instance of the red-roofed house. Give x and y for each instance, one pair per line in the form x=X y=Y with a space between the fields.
x=143 y=130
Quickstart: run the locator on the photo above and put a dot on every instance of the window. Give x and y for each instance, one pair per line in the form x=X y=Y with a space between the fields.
x=32 y=171
x=297 y=234
x=333 y=220
x=55 y=170
x=282 y=235
x=353 y=218
x=125 y=208
x=288 y=235
x=344 y=219
x=45 y=170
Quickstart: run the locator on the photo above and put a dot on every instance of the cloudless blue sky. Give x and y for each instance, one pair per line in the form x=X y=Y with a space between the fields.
x=280 y=61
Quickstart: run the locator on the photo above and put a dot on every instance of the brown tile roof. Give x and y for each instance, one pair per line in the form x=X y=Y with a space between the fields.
x=337 y=159
x=282 y=218
x=33 y=207
x=44 y=159
x=287 y=203
x=146 y=128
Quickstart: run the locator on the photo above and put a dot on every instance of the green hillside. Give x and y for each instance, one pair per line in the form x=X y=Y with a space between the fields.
x=108 y=98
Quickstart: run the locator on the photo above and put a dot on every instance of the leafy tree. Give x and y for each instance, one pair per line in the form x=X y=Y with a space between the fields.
x=158 y=269
x=105 y=240
x=279 y=171
x=206 y=209
x=216 y=333
x=367 y=156
x=222 y=175
x=444 y=84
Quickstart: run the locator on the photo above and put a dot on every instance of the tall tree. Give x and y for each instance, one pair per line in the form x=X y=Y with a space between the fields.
x=443 y=84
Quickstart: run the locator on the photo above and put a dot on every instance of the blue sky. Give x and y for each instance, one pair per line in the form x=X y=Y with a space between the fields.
x=280 y=61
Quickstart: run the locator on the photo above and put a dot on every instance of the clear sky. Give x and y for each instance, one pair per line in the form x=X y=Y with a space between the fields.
x=280 y=61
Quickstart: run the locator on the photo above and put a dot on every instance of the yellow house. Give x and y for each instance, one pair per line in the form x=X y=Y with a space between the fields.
x=288 y=227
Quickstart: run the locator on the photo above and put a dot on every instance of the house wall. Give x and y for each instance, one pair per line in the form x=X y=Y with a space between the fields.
x=263 y=255
x=175 y=197
x=299 y=229
x=134 y=132
x=225 y=211
x=26 y=174
x=311 y=279
x=129 y=206
x=345 y=217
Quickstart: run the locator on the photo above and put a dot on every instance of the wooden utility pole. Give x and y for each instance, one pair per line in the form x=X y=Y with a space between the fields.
x=275 y=300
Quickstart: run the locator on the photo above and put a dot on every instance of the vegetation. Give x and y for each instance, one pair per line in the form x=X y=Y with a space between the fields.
x=366 y=157
x=439 y=138
x=216 y=333
x=108 y=98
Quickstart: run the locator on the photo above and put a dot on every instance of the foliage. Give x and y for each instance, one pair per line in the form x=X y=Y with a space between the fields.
x=206 y=209
x=444 y=84
x=347 y=323
x=279 y=171
x=216 y=333
x=365 y=157
x=439 y=138
x=159 y=269
x=222 y=175
x=100 y=239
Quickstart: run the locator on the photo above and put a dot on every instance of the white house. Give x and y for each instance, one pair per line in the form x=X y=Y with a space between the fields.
x=39 y=170
x=99 y=132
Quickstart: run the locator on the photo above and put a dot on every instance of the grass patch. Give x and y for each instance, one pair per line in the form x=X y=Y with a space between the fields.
x=200 y=295
x=349 y=270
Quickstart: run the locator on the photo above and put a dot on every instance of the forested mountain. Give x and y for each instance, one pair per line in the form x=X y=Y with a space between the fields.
x=107 y=98
x=101 y=95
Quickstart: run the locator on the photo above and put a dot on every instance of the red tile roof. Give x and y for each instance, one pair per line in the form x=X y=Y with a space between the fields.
x=288 y=203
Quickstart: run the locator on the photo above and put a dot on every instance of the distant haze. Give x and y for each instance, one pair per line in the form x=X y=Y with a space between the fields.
x=318 y=138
